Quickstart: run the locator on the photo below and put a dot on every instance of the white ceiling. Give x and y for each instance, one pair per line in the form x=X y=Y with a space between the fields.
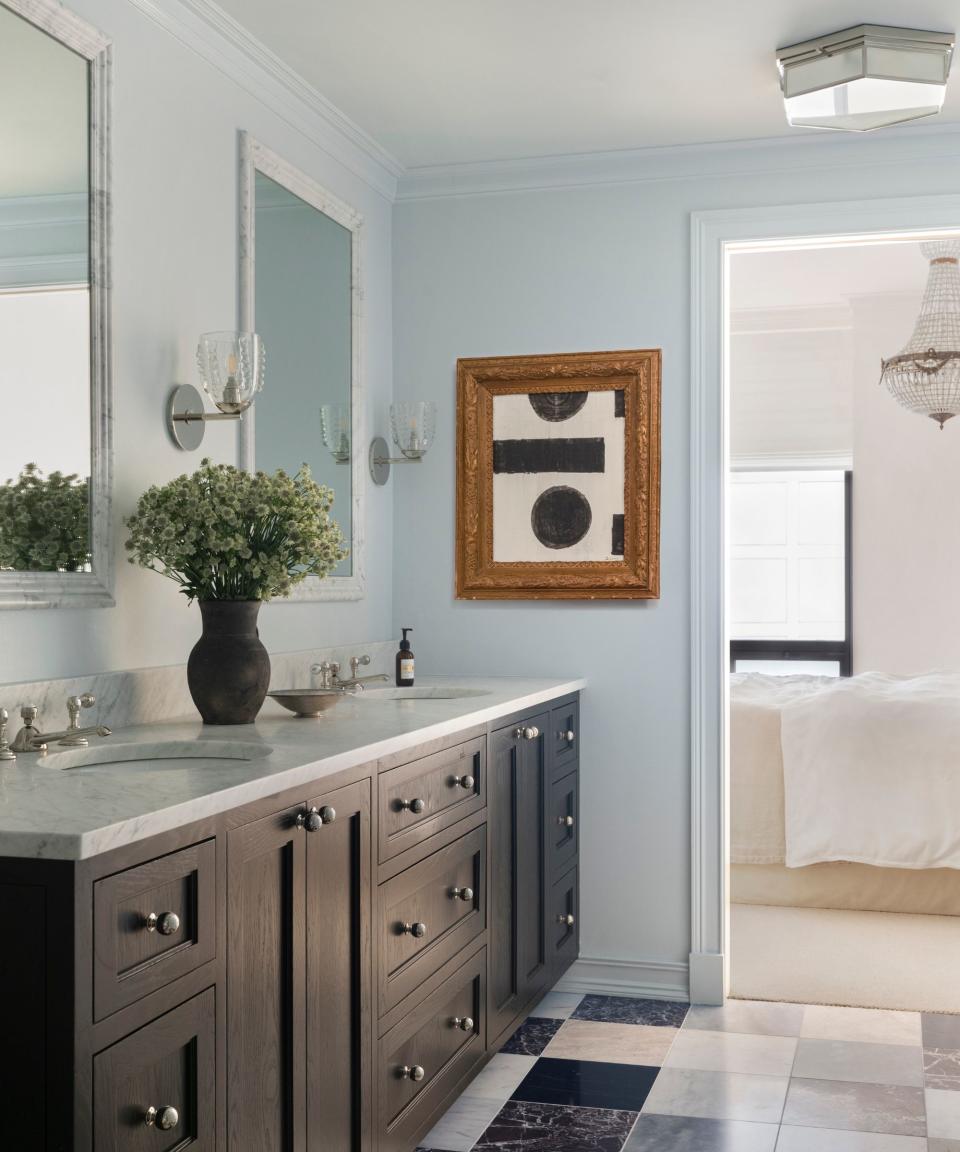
x=451 y=81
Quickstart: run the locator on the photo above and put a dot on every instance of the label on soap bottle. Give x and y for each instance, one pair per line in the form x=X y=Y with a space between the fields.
x=406 y=668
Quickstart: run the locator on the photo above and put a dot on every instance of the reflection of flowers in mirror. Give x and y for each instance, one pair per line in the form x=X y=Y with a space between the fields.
x=45 y=522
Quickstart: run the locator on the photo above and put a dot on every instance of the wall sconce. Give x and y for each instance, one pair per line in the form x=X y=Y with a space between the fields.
x=231 y=370
x=335 y=423
x=414 y=425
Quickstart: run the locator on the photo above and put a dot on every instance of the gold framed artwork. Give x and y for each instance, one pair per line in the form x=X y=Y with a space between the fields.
x=558 y=477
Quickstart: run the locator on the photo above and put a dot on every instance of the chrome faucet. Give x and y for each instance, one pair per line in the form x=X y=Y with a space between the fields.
x=327 y=674
x=31 y=739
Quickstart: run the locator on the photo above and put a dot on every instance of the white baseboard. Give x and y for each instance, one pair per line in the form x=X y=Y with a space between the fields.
x=648 y=979
x=707 y=978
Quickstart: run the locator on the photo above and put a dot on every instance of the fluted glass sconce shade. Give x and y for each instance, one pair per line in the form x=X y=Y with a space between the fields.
x=335 y=423
x=413 y=424
x=231 y=368
x=925 y=376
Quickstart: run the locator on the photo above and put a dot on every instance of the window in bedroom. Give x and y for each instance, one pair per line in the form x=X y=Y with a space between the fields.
x=789 y=580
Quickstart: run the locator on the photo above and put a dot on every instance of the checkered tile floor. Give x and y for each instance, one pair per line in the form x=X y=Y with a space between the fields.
x=608 y=1074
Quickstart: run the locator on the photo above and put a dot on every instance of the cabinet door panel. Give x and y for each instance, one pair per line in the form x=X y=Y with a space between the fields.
x=339 y=975
x=564 y=923
x=265 y=989
x=563 y=825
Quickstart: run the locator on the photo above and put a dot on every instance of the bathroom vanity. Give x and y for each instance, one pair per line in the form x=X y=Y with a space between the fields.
x=302 y=936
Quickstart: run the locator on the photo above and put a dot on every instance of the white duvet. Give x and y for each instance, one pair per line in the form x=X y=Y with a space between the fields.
x=871 y=771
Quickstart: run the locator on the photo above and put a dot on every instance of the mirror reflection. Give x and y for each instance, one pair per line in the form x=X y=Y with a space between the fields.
x=303 y=290
x=45 y=452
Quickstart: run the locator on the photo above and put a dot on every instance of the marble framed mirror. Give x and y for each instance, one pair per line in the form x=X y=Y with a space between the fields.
x=300 y=290
x=56 y=545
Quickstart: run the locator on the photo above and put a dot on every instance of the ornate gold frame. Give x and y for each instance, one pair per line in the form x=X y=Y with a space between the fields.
x=637 y=576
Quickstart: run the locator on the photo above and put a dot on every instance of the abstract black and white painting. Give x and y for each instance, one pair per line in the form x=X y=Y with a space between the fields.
x=558 y=476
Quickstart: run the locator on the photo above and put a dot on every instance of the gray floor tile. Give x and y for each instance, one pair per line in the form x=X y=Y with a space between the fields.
x=831 y=1140
x=754 y=1016
x=462 y=1124
x=940 y=1030
x=717 y=1095
x=501 y=1077
x=856 y=1107
x=865 y=1063
x=733 y=1052
x=868 y=1025
x=695 y=1134
x=941 y=1068
x=557 y=1005
x=943 y=1114
x=936 y=1145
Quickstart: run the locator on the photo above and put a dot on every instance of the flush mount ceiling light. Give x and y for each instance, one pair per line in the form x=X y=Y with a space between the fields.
x=865 y=77
x=925 y=376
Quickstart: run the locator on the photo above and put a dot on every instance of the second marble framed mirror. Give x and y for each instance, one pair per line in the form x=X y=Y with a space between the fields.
x=300 y=290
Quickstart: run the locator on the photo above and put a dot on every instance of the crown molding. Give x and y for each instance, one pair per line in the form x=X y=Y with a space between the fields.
x=738 y=159
x=214 y=35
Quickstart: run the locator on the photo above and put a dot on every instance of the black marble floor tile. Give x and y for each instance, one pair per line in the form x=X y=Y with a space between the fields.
x=940 y=1030
x=624 y=1010
x=533 y=1035
x=526 y=1127
x=587 y=1084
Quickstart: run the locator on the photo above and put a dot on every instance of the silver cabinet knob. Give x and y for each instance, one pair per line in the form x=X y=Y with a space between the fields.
x=309 y=820
x=412 y=1072
x=464 y=894
x=569 y=735
x=568 y=920
x=527 y=733
x=417 y=930
x=466 y=782
x=327 y=814
x=464 y=1023
x=416 y=806
x=166 y=1117
x=566 y=821
x=166 y=923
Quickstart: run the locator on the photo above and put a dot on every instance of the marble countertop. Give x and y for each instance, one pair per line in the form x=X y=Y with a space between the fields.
x=81 y=809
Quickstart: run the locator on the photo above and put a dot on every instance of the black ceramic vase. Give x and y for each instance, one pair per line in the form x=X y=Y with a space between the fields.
x=229 y=669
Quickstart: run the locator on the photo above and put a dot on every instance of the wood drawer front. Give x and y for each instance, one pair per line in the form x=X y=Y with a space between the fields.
x=168 y=1064
x=130 y=959
x=563 y=823
x=563 y=739
x=563 y=937
x=424 y=894
x=434 y=781
x=429 y=1039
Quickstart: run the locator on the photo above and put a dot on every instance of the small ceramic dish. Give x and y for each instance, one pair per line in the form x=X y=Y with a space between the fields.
x=308 y=701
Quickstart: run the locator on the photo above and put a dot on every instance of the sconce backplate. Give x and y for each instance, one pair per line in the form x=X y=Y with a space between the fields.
x=185 y=400
x=379 y=460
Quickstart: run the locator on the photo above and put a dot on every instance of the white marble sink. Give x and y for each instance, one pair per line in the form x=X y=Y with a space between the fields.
x=427 y=692
x=165 y=754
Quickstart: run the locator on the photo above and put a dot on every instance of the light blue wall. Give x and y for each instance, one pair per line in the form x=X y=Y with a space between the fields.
x=579 y=269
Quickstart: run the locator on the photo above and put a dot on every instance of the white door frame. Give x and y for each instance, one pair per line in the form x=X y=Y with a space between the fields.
x=712 y=234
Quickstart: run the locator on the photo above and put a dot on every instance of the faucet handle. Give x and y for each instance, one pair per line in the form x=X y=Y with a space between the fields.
x=29 y=713
x=326 y=673
x=356 y=662
x=75 y=703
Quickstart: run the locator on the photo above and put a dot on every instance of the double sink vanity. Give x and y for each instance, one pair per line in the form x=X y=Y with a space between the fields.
x=301 y=935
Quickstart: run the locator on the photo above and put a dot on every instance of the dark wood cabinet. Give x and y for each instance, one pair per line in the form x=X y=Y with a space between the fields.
x=518 y=799
x=299 y=991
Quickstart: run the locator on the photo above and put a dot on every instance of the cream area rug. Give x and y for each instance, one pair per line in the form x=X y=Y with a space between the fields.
x=861 y=959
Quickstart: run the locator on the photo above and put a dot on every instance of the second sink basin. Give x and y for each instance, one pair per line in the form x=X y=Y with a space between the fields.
x=164 y=754
x=425 y=692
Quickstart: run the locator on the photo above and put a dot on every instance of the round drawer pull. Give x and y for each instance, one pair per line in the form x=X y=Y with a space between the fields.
x=412 y=1072
x=166 y=923
x=568 y=920
x=566 y=821
x=314 y=818
x=527 y=733
x=417 y=930
x=569 y=735
x=466 y=782
x=165 y=1118
x=416 y=806
x=464 y=894
x=327 y=814
x=464 y=1023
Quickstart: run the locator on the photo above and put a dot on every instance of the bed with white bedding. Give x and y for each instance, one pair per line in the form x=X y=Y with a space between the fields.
x=846 y=793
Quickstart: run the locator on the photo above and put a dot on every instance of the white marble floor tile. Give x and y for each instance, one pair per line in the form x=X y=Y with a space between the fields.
x=869 y=1025
x=854 y=1060
x=842 y=1104
x=943 y=1113
x=500 y=1078
x=717 y=1095
x=557 y=1005
x=831 y=1140
x=695 y=1134
x=611 y=1043
x=757 y=1017
x=462 y=1125
x=733 y=1052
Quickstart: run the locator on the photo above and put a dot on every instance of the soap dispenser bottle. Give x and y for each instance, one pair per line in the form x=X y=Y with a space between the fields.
x=405 y=662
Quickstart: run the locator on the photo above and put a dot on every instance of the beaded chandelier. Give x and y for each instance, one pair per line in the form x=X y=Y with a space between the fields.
x=925 y=376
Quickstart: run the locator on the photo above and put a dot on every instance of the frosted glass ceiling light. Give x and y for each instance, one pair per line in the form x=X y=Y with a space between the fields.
x=865 y=77
x=925 y=376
